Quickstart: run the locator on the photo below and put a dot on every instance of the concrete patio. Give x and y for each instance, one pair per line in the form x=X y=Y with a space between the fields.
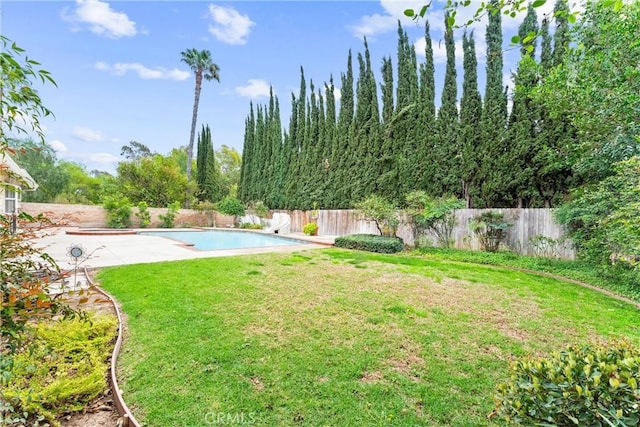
x=111 y=250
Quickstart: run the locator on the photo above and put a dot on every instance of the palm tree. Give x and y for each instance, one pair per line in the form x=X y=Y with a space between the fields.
x=203 y=67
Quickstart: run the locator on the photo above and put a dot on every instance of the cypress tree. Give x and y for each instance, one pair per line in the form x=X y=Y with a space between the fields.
x=294 y=189
x=291 y=159
x=387 y=90
x=556 y=137
x=342 y=188
x=276 y=179
x=523 y=121
x=329 y=160
x=426 y=136
x=208 y=177
x=470 y=113
x=493 y=192
x=447 y=122
x=546 y=54
x=561 y=35
x=246 y=169
x=367 y=123
x=398 y=155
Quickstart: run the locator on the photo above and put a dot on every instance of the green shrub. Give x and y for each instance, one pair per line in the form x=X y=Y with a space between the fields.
x=436 y=215
x=311 y=229
x=143 y=214
x=250 y=226
x=587 y=386
x=371 y=243
x=232 y=207
x=169 y=218
x=381 y=211
x=118 y=211
x=61 y=371
x=602 y=221
x=490 y=228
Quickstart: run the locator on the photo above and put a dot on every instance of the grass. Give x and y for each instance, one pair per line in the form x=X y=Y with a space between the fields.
x=620 y=281
x=334 y=337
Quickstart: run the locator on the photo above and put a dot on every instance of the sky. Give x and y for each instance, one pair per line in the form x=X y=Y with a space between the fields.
x=119 y=75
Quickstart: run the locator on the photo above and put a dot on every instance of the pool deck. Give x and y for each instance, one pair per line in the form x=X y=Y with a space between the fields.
x=111 y=250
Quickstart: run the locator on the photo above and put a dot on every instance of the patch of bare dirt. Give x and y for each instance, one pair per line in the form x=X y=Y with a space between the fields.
x=99 y=413
x=257 y=384
x=371 y=377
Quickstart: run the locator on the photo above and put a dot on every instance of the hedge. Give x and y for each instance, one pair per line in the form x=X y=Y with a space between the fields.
x=370 y=243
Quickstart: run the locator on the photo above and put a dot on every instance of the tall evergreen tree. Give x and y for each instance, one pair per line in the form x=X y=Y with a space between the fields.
x=367 y=123
x=247 y=167
x=469 y=140
x=342 y=156
x=524 y=120
x=493 y=192
x=561 y=35
x=330 y=134
x=447 y=122
x=208 y=176
x=426 y=135
x=556 y=137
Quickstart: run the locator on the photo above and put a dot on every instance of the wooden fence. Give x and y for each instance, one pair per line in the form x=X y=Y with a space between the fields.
x=526 y=224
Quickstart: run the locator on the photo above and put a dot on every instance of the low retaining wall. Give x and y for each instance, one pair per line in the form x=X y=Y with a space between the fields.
x=92 y=216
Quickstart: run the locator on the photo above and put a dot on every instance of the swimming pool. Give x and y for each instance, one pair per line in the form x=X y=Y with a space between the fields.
x=209 y=240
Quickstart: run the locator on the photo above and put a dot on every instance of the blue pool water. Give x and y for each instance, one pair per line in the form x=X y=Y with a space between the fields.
x=219 y=239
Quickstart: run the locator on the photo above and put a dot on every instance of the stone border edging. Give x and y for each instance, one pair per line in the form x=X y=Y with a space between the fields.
x=123 y=409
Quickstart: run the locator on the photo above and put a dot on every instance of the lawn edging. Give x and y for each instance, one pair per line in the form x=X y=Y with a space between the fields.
x=129 y=420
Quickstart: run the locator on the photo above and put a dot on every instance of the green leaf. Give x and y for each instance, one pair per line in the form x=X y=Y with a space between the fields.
x=424 y=9
x=571 y=18
x=409 y=13
x=617 y=6
x=538 y=3
x=451 y=20
x=515 y=39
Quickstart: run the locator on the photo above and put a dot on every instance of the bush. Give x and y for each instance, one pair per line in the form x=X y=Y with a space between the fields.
x=118 y=211
x=311 y=229
x=232 y=207
x=250 y=226
x=371 y=243
x=587 y=386
x=381 y=211
x=433 y=214
x=169 y=218
x=61 y=371
x=143 y=214
x=490 y=229
x=602 y=221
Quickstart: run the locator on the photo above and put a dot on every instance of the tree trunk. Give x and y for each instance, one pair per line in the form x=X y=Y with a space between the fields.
x=194 y=119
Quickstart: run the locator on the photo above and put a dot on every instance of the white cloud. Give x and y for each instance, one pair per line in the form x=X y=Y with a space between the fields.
x=228 y=25
x=337 y=93
x=101 y=19
x=254 y=89
x=159 y=73
x=372 y=25
x=86 y=134
x=101 y=158
x=58 y=146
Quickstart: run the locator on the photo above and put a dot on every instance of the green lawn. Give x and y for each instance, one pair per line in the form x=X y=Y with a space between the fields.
x=339 y=338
